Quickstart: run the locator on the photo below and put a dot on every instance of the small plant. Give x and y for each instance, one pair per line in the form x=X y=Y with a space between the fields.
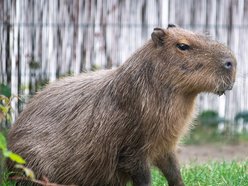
x=5 y=108
x=5 y=153
x=242 y=115
x=40 y=84
x=5 y=115
x=8 y=154
x=34 y=65
x=5 y=90
x=210 y=118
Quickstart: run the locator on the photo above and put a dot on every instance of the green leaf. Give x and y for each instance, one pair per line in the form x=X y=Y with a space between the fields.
x=14 y=157
x=28 y=172
x=6 y=153
x=5 y=90
x=3 y=109
x=3 y=143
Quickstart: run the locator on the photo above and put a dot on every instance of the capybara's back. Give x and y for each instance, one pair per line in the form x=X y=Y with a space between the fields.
x=66 y=134
x=108 y=127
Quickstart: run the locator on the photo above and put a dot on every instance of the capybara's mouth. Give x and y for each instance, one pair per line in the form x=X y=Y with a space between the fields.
x=223 y=90
x=220 y=92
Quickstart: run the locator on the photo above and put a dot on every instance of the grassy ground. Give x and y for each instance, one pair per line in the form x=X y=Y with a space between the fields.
x=5 y=181
x=211 y=174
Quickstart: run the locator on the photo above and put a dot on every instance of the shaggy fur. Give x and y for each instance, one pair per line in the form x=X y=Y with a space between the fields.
x=108 y=127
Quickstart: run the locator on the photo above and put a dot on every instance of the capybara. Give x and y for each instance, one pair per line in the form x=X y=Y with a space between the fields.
x=108 y=128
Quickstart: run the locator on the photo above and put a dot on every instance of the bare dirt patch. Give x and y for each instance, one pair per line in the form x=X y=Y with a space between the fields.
x=206 y=153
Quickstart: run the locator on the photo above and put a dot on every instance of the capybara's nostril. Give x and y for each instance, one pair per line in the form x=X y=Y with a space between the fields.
x=228 y=64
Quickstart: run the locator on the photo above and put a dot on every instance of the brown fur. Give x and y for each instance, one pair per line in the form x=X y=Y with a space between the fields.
x=109 y=127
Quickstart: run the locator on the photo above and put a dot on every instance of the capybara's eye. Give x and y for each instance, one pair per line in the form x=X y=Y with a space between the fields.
x=183 y=46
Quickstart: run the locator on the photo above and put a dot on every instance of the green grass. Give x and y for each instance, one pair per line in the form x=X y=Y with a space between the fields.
x=211 y=174
x=6 y=181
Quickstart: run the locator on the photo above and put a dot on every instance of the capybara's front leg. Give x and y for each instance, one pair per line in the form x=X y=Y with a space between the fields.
x=141 y=175
x=169 y=166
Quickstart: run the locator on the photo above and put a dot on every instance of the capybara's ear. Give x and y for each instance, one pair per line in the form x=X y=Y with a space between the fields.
x=158 y=36
x=171 y=26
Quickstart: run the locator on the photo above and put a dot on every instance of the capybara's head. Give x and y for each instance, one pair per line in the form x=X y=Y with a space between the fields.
x=193 y=62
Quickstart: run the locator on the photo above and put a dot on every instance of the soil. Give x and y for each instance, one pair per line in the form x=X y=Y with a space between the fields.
x=206 y=153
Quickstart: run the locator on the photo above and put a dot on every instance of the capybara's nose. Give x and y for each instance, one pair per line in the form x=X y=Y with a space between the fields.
x=228 y=64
